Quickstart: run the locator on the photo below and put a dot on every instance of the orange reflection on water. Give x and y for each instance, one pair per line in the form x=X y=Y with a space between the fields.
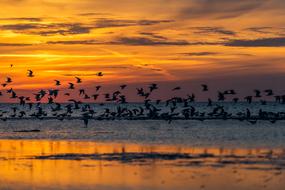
x=19 y=170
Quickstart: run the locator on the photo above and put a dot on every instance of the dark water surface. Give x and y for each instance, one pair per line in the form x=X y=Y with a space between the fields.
x=143 y=154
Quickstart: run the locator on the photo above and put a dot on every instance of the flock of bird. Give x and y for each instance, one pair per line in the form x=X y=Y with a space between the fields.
x=169 y=110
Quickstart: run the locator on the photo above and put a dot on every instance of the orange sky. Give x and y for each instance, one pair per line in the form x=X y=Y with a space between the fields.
x=135 y=41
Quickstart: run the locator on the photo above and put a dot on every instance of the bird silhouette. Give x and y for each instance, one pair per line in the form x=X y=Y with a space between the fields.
x=257 y=93
x=153 y=87
x=44 y=104
x=123 y=86
x=8 y=80
x=57 y=82
x=205 y=87
x=95 y=96
x=269 y=92
x=30 y=73
x=98 y=88
x=71 y=86
x=176 y=88
x=235 y=100
x=248 y=99
x=221 y=96
x=99 y=74
x=78 y=80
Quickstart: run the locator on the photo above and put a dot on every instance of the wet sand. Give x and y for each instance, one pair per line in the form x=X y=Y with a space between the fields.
x=52 y=164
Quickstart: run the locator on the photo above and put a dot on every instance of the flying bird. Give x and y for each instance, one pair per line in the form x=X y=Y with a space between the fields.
x=153 y=87
x=176 y=88
x=30 y=73
x=8 y=80
x=123 y=86
x=57 y=82
x=71 y=86
x=269 y=92
x=78 y=80
x=205 y=87
x=98 y=88
x=95 y=96
x=99 y=74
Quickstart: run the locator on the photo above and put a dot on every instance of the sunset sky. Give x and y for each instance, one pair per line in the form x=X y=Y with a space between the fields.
x=222 y=42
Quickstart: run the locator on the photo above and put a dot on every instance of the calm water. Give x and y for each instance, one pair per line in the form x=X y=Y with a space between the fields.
x=30 y=164
x=214 y=133
x=148 y=154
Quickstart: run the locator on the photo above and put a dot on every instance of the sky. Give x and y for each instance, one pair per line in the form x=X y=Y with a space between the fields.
x=172 y=42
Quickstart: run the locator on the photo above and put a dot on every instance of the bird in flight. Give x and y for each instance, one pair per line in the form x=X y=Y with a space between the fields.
x=78 y=80
x=123 y=86
x=99 y=74
x=8 y=80
x=176 y=88
x=71 y=86
x=97 y=88
x=205 y=87
x=57 y=82
x=30 y=73
x=153 y=87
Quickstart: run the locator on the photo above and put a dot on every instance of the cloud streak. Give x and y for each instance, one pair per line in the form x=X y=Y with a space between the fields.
x=142 y=41
x=109 y=23
x=135 y=41
x=219 y=9
x=193 y=54
x=75 y=42
x=30 y=19
x=14 y=44
x=213 y=30
x=73 y=28
x=263 y=42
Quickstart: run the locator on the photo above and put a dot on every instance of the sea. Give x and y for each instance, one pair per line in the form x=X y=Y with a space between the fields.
x=142 y=154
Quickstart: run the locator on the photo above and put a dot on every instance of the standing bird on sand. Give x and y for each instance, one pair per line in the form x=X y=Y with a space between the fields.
x=30 y=73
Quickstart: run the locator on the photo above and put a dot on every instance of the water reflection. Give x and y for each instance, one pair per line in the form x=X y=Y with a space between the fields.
x=213 y=168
